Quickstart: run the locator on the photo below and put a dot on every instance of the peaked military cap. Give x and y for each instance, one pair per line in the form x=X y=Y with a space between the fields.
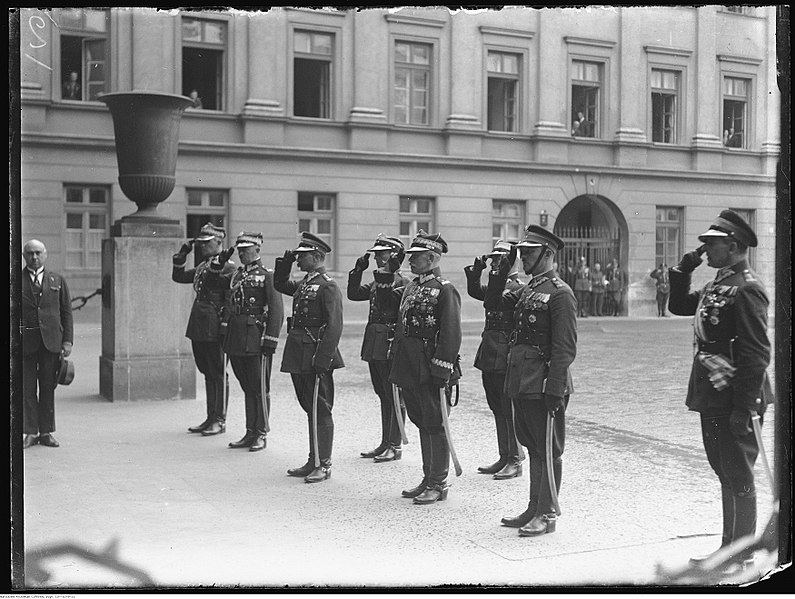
x=536 y=237
x=501 y=247
x=210 y=231
x=424 y=242
x=311 y=242
x=730 y=224
x=246 y=239
x=384 y=242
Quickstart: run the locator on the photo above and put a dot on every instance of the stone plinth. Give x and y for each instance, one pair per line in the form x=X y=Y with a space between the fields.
x=145 y=354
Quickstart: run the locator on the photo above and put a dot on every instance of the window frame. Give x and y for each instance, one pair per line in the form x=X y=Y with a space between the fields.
x=335 y=67
x=433 y=79
x=85 y=209
x=519 y=85
x=678 y=99
x=329 y=62
x=601 y=110
x=84 y=34
x=521 y=220
x=411 y=217
x=223 y=98
x=205 y=209
x=316 y=215
x=667 y=225
x=748 y=108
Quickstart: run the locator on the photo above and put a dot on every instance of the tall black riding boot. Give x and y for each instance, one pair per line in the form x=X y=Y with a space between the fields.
x=307 y=468
x=325 y=441
x=440 y=466
x=425 y=449
x=727 y=504
x=744 y=515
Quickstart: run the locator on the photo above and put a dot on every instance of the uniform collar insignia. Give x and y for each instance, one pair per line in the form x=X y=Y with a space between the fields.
x=252 y=265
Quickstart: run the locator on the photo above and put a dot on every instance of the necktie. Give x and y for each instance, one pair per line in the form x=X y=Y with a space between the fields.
x=35 y=283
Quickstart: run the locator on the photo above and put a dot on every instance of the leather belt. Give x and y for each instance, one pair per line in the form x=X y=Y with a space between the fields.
x=723 y=346
x=308 y=322
x=523 y=338
x=421 y=333
x=251 y=310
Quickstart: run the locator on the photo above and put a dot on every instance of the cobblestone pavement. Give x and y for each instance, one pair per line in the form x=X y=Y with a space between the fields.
x=128 y=481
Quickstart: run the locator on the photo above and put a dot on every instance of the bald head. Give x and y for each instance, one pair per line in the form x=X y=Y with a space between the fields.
x=35 y=254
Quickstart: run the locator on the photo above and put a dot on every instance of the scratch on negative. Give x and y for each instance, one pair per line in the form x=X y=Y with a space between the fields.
x=38 y=62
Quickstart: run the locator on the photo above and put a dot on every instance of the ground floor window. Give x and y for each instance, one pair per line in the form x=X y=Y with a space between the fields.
x=86 y=212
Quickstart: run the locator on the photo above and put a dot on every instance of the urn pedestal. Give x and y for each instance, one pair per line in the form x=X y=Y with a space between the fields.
x=145 y=355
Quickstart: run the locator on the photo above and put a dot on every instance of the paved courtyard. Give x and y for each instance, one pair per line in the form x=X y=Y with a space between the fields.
x=131 y=499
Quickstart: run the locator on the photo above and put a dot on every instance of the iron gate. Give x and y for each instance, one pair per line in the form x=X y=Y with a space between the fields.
x=597 y=244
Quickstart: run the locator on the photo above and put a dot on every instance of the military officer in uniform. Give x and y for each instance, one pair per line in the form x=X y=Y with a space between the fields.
x=537 y=380
x=491 y=359
x=378 y=335
x=253 y=320
x=728 y=381
x=425 y=353
x=204 y=323
x=310 y=353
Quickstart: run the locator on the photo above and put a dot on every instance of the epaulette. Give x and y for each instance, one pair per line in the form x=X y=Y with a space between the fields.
x=557 y=283
x=747 y=276
x=328 y=278
x=268 y=269
x=443 y=281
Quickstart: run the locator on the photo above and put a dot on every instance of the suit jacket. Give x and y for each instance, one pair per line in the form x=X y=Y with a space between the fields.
x=46 y=317
x=380 y=329
x=730 y=321
x=315 y=328
x=545 y=334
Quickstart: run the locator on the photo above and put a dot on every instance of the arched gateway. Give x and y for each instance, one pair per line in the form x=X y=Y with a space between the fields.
x=594 y=227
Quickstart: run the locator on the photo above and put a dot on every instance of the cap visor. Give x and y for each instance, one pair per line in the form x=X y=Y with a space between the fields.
x=529 y=244
x=303 y=248
x=378 y=248
x=711 y=233
x=492 y=254
x=415 y=250
x=205 y=238
x=244 y=244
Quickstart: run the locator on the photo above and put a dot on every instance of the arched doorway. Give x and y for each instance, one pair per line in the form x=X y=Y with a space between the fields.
x=594 y=227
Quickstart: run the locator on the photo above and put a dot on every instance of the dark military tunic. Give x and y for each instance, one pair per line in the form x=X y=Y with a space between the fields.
x=312 y=341
x=731 y=321
x=729 y=370
x=204 y=328
x=543 y=346
x=492 y=359
x=425 y=353
x=378 y=335
x=253 y=319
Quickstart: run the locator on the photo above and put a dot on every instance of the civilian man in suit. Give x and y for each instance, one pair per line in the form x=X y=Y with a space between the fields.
x=47 y=332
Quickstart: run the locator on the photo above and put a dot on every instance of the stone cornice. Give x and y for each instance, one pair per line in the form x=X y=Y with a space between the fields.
x=505 y=32
x=587 y=41
x=670 y=51
x=414 y=20
x=740 y=59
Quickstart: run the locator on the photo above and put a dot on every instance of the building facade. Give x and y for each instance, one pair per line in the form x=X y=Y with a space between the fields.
x=625 y=130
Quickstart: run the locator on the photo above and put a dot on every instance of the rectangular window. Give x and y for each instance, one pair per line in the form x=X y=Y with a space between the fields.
x=412 y=83
x=749 y=216
x=86 y=209
x=668 y=248
x=664 y=105
x=84 y=49
x=586 y=93
x=415 y=213
x=740 y=10
x=316 y=215
x=736 y=92
x=503 y=85
x=312 y=57
x=205 y=206
x=507 y=220
x=203 y=50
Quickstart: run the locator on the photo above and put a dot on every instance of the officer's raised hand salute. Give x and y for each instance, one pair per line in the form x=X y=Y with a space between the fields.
x=311 y=351
x=204 y=324
x=538 y=381
x=425 y=354
x=378 y=334
x=492 y=357
x=728 y=381
x=253 y=320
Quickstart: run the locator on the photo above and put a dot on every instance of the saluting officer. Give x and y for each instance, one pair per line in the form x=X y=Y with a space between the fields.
x=253 y=322
x=492 y=358
x=310 y=353
x=378 y=335
x=728 y=382
x=537 y=380
x=425 y=354
x=204 y=323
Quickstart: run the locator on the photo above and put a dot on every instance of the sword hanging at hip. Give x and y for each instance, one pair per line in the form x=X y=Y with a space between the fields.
x=446 y=424
x=265 y=388
x=399 y=414
x=553 y=489
x=314 y=421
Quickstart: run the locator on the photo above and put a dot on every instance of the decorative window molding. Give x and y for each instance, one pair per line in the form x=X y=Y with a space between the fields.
x=739 y=59
x=667 y=50
x=585 y=41
x=504 y=31
x=413 y=20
